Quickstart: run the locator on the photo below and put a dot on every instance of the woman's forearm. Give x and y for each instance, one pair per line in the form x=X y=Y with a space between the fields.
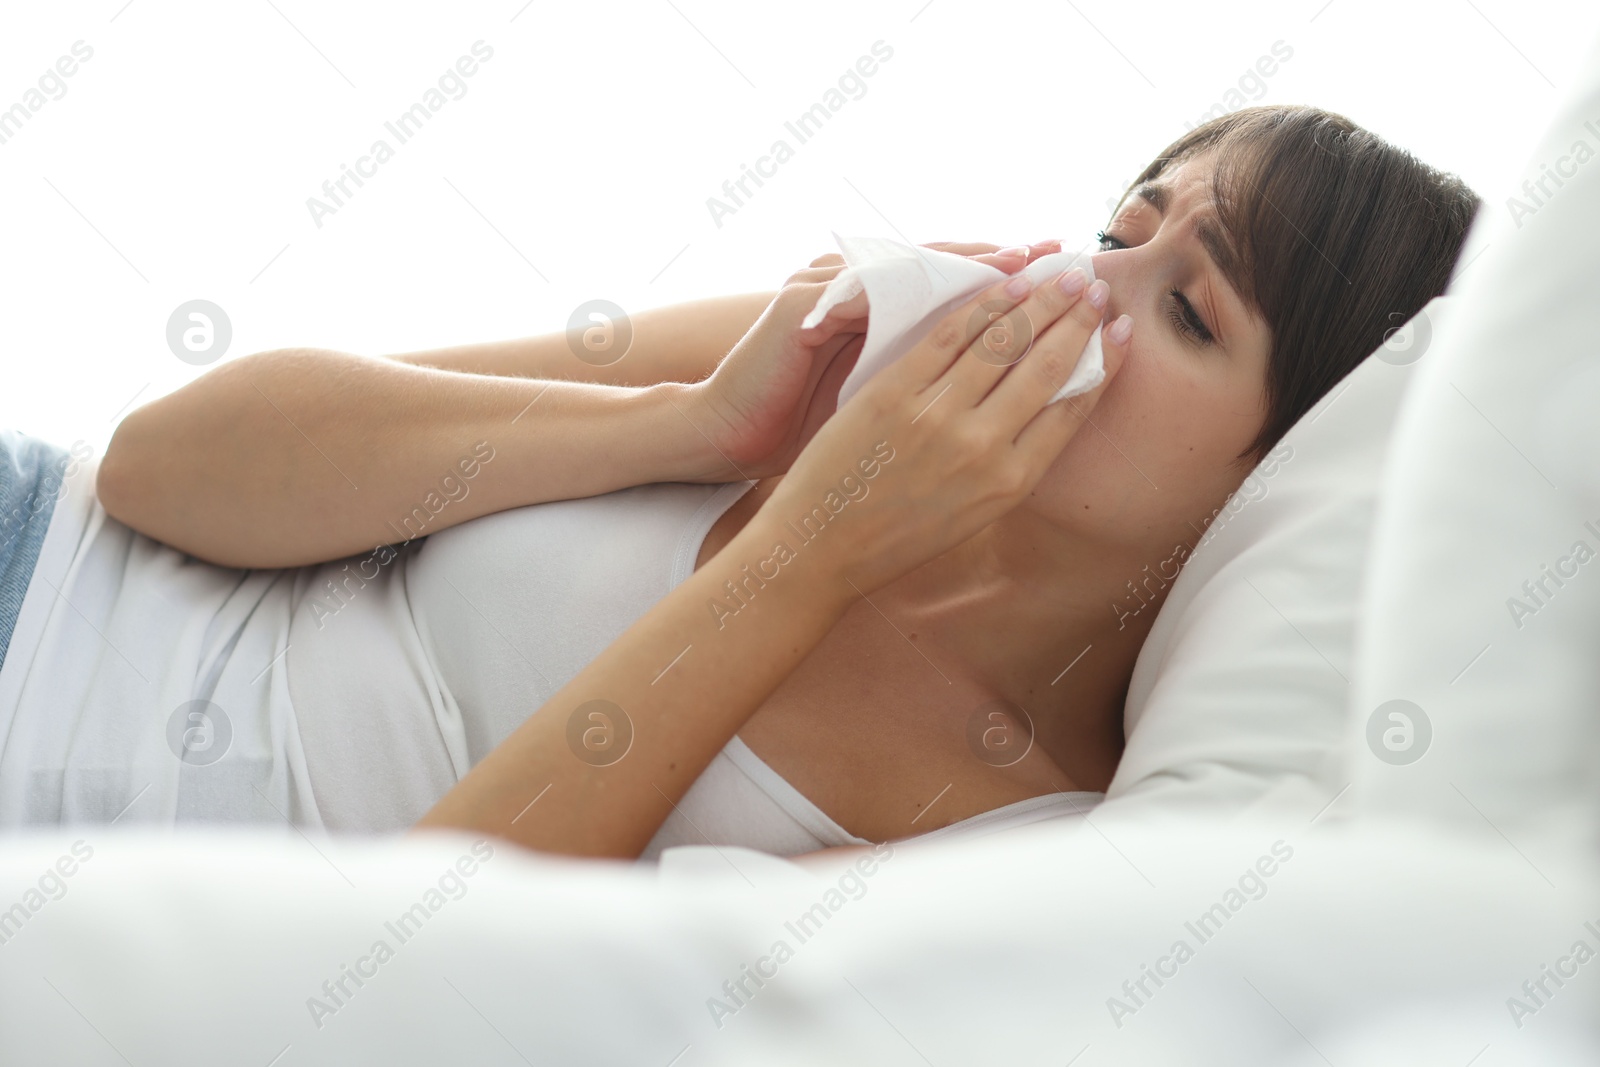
x=301 y=456
x=673 y=343
x=667 y=696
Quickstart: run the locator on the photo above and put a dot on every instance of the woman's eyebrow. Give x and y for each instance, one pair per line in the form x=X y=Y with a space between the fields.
x=1221 y=251
x=1216 y=243
x=1153 y=193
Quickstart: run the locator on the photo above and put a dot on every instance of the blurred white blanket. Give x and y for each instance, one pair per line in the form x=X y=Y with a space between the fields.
x=1283 y=944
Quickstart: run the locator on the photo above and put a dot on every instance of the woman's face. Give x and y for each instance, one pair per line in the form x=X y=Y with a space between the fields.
x=1159 y=455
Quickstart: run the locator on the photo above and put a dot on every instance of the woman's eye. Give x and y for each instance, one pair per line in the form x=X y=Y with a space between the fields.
x=1109 y=243
x=1186 y=320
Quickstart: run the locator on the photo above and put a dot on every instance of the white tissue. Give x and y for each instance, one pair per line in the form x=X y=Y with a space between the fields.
x=909 y=288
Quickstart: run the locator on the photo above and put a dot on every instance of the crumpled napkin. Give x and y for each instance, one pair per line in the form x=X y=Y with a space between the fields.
x=909 y=288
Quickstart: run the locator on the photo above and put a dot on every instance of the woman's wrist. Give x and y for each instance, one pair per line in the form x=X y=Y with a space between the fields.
x=676 y=436
x=783 y=545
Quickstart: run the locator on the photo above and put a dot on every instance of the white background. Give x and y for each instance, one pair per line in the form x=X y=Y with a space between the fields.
x=578 y=164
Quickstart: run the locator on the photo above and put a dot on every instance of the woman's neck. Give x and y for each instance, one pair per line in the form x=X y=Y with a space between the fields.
x=1040 y=619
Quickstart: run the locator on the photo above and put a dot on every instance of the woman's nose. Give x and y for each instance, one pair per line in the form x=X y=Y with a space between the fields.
x=1107 y=267
x=1115 y=269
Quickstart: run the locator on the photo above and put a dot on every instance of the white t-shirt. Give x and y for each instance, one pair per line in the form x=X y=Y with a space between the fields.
x=352 y=695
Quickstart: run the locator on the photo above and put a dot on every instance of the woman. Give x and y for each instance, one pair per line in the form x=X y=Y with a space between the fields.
x=940 y=560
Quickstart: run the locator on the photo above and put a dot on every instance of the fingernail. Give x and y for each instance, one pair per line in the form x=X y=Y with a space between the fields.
x=1119 y=332
x=1098 y=293
x=1073 y=281
x=1019 y=286
x=1015 y=250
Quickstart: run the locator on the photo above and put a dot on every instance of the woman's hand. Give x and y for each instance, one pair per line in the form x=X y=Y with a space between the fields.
x=780 y=383
x=949 y=437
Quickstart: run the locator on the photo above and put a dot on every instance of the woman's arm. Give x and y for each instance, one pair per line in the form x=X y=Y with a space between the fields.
x=677 y=343
x=295 y=457
x=298 y=455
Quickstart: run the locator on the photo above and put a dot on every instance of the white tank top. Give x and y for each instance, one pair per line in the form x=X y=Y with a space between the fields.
x=353 y=695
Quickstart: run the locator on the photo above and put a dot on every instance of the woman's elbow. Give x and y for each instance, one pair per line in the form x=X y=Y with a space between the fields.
x=130 y=480
x=114 y=484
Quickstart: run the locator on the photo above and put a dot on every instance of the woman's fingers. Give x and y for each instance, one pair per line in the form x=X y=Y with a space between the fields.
x=825 y=396
x=1027 y=253
x=1042 y=440
x=840 y=316
x=931 y=357
x=962 y=248
x=1000 y=335
x=1023 y=254
x=851 y=313
x=1051 y=356
x=826 y=268
x=815 y=273
x=1007 y=259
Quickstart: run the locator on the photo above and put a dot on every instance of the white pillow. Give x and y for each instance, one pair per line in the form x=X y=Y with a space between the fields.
x=1240 y=688
x=1482 y=610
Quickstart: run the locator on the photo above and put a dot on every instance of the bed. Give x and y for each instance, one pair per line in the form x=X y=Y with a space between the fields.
x=1356 y=820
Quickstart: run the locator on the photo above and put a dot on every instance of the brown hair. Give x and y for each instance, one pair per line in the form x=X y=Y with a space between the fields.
x=1336 y=238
